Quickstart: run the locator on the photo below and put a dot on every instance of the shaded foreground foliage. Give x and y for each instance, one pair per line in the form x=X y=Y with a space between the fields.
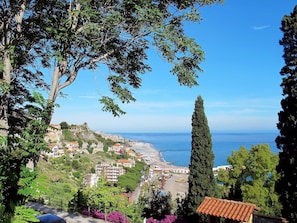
x=63 y=37
x=286 y=186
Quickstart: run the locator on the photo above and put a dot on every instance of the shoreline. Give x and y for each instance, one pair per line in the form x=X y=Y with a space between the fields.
x=174 y=179
x=148 y=152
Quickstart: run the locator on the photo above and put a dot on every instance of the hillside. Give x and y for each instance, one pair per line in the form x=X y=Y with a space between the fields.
x=74 y=153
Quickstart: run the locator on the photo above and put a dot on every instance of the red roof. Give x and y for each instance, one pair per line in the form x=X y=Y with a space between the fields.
x=234 y=210
x=124 y=161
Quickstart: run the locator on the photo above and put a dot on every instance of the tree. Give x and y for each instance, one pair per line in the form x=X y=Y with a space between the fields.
x=130 y=180
x=21 y=122
x=68 y=36
x=117 y=34
x=20 y=35
x=64 y=125
x=286 y=141
x=251 y=178
x=21 y=147
x=201 y=178
x=156 y=204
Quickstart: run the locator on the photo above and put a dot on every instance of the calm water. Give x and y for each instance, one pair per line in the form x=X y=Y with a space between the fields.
x=176 y=147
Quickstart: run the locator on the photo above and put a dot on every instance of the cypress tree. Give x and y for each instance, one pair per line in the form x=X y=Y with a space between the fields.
x=286 y=141
x=201 y=177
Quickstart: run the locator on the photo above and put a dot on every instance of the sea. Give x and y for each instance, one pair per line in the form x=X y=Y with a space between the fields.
x=176 y=147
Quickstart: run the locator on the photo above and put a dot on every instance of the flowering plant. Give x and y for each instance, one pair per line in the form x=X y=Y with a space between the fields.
x=167 y=219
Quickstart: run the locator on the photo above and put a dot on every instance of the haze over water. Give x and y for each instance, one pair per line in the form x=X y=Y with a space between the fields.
x=176 y=147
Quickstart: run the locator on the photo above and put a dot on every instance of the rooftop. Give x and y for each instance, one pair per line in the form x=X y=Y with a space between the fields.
x=229 y=209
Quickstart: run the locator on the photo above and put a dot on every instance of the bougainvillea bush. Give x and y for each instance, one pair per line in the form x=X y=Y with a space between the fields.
x=97 y=214
x=117 y=217
x=114 y=217
x=167 y=219
x=86 y=212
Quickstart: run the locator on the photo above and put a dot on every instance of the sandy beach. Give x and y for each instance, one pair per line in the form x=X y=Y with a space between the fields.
x=148 y=151
x=175 y=183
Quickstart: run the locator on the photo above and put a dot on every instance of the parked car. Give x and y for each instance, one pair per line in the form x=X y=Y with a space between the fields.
x=50 y=218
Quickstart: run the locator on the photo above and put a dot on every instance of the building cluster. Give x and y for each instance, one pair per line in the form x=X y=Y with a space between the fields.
x=110 y=171
x=58 y=147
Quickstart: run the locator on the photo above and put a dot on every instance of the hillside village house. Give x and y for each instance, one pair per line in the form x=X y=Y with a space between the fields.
x=91 y=180
x=72 y=146
x=111 y=173
x=126 y=163
x=54 y=152
x=131 y=153
x=117 y=147
x=75 y=128
x=53 y=133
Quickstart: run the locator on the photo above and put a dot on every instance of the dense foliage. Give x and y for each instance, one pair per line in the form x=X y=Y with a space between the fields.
x=251 y=178
x=114 y=217
x=60 y=178
x=130 y=180
x=156 y=204
x=20 y=147
x=68 y=36
x=201 y=178
x=105 y=202
x=287 y=125
x=24 y=214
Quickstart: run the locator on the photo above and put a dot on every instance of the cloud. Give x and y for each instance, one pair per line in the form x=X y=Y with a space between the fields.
x=261 y=27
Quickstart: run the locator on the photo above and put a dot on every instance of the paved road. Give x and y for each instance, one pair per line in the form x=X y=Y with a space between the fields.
x=69 y=217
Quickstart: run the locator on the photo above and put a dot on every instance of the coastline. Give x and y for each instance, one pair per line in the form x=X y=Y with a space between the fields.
x=149 y=153
x=172 y=179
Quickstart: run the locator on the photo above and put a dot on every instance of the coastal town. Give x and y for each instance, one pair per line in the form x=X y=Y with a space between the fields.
x=172 y=178
x=161 y=175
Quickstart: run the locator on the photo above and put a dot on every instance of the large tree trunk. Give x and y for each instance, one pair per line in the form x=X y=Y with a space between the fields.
x=5 y=79
x=4 y=98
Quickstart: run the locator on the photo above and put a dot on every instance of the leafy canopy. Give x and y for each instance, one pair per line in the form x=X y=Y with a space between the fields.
x=115 y=36
x=251 y=178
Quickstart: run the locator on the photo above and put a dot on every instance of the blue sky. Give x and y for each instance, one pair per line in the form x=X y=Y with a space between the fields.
x=239 y=84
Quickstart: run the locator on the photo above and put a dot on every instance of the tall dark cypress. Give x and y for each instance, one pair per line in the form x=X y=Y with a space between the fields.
x=286 y=141
x=201 y=177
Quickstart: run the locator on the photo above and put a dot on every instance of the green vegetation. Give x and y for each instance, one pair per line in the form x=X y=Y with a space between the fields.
x=64 y=176
x=85 y=135
x=68 y=135
x=252 y=177
x=104 y=199
x=25 y=144
x=60 y=179
x=286 y=186
x=55 y=35
x=201 y=178
x=24 y=215
x=156 y=204
x=64 y=125
x=131 y=178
